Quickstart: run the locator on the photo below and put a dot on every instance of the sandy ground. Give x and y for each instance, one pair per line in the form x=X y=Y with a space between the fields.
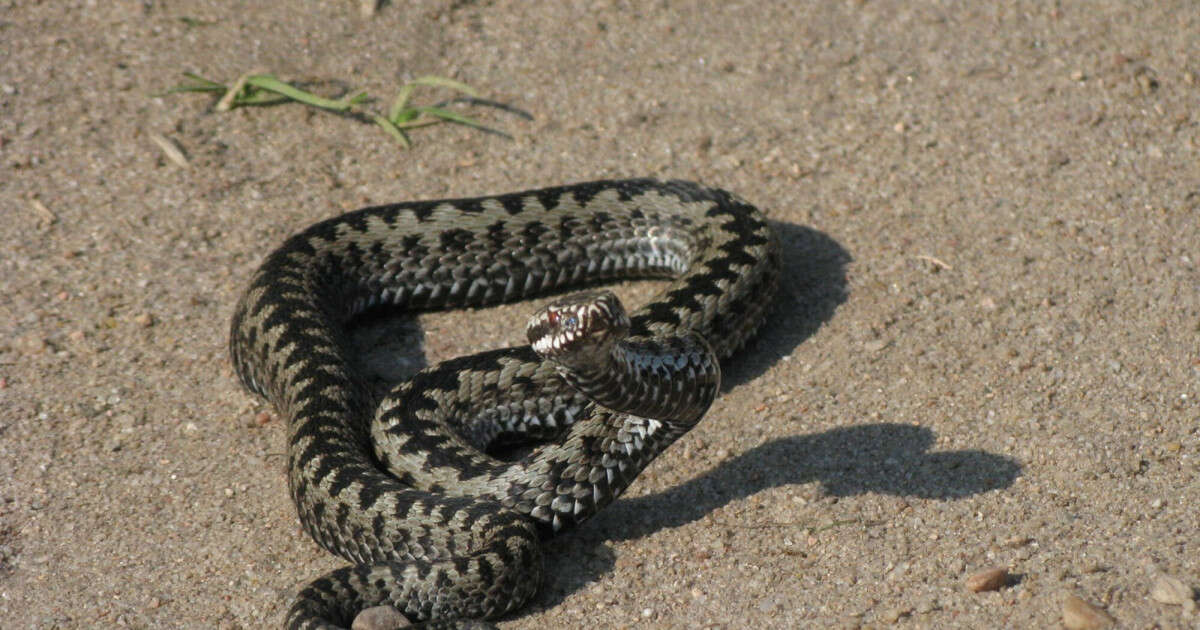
x=986 y=353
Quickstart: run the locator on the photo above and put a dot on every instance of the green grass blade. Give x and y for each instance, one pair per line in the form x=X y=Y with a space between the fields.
x=450 y=116
x=424 y=122
x=184 y=88
x=269 y=82
x=257 y=96
x=266 y=89
x=202 y=81
x=393 y=130
x=405 y=115
x=400 y=103
x=198 y=84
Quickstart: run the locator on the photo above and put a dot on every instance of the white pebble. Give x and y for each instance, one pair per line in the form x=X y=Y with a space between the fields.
x=1170 y=590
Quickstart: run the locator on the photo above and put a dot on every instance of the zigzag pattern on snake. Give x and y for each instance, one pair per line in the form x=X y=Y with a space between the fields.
x=403 y=488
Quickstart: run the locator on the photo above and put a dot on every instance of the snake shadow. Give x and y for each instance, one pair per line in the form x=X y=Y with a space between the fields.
x=883 y=458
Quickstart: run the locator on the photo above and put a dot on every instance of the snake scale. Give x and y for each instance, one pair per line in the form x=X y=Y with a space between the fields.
x=404 y=487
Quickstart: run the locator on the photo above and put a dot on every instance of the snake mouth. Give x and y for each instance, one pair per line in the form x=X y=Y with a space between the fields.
x=578 y=328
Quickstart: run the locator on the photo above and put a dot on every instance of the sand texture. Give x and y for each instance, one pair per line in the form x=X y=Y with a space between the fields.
x=986 y=353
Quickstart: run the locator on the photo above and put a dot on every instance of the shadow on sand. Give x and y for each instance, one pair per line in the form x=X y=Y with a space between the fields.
x=882 y=458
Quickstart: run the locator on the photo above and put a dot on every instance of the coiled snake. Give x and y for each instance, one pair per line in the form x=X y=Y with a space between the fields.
x=403 y=487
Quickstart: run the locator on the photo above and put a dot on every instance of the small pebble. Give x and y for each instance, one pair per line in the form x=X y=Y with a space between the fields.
x=145 y=320
x=32 y=344
x=876 y=345
x=1171 y=590
x=380 y=618
x=1078 y=614
x=894 y=615
x=262 y=418
x=125 y=421
x=1017 y=541
x=987 y=580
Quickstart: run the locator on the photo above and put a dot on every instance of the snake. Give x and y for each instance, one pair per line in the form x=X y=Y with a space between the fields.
x=408 y=486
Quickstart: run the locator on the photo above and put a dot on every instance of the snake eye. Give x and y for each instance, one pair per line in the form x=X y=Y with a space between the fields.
x=571 y=323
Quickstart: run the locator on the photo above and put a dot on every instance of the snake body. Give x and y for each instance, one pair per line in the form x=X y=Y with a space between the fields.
x=403 y=487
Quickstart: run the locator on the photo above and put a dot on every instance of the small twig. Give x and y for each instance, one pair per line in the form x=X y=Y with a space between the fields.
x=226 y=102
x=935 y=262
x=170 y=149
x=45 y=216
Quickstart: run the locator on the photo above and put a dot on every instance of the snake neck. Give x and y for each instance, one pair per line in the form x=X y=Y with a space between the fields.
x=673 y=379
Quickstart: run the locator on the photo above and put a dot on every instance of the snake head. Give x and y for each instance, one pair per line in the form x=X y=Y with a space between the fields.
x=580 y=327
